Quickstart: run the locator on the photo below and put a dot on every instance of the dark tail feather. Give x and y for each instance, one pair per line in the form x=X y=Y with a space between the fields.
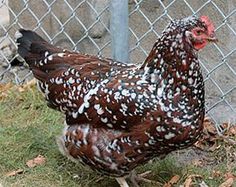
x=32 y=47
x=25 y=38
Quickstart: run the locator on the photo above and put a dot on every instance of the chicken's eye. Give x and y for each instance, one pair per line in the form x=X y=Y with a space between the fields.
x=198 y=32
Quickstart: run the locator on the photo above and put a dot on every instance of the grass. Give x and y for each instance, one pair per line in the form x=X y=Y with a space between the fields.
x=29 y=128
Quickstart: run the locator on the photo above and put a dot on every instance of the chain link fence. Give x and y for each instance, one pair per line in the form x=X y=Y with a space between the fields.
x=85 y=25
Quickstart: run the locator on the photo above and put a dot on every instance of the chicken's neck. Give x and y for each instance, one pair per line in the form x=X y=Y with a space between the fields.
x=174 y=71
x=173 y=63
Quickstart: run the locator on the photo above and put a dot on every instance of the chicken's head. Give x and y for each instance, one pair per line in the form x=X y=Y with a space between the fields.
x=202 y=33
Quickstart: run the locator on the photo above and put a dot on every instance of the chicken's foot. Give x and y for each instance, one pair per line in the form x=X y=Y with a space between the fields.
x=135 y=178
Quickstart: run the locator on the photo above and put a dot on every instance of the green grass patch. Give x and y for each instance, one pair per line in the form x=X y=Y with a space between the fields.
x=29 y=128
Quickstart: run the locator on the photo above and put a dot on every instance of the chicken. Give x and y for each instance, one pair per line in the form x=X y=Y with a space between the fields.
x=119 y=116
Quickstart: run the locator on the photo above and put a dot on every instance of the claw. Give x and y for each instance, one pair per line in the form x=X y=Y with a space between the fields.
x=134 y=178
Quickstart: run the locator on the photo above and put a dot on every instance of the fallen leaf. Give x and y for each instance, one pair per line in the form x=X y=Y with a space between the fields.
x=210 y=127
x=172 y=181
x=14 y=173
x=5 y=87
x=26 y=86
x=229 y=175
x=228 y=183
x=189 y=180
x=39 y=160
x=214 y=147
x=4 y=90
x=199 y=144
x=216 y=174
x=210 y=138
x=232 y=130
x=21 y=89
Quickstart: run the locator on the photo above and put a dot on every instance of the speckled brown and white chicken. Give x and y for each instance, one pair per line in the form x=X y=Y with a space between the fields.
x=119 y=116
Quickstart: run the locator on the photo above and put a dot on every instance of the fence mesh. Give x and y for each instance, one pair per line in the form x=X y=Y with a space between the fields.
x=84 y=25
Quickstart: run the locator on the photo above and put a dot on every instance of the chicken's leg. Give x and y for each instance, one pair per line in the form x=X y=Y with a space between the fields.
x=134 y=178
x=122 y=182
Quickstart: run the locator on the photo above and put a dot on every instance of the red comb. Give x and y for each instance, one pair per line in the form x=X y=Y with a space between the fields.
x=209 y=24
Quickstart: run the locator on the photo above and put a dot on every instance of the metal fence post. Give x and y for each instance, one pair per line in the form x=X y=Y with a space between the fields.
x=120 y=30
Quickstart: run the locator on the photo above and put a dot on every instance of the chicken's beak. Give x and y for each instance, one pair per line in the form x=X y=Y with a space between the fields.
x=212 y=38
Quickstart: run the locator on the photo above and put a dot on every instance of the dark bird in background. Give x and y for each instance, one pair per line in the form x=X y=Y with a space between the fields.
x=119 y=116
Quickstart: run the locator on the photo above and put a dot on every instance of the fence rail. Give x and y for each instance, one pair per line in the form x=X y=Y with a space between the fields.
x=90 y=26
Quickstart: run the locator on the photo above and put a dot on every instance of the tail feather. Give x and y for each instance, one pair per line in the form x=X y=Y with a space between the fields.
x=25 y=39
x=32 y=47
